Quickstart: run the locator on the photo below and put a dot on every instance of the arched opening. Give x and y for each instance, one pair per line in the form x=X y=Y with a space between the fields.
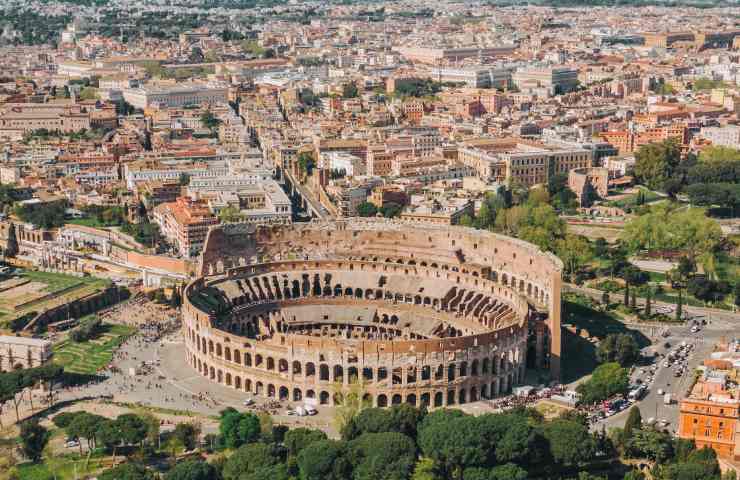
x=396 y=399
x=284 y=395
x=324 y=398
x=271 y=390
x=338 y=373
x=324 y=372
x=411 y=399
x=296 y=367
x=283 y=365
x=297 y=396
x=438 y=399
x=382 y=401
x=310 y=369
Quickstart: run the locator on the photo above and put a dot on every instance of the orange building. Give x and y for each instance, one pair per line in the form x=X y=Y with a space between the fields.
x=711 y=423
x=710 y=413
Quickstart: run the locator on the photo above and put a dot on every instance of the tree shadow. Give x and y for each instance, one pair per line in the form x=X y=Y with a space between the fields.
x=582 y=325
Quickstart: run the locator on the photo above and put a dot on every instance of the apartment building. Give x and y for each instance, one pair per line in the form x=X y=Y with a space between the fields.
x=523 y=161
x=176 y=95
x=476 y=77
x=438 y=210
x=435 y=56
x=556 y=80
x=727 y=136
x=710 y=413
x=264 y=203
x=184 y=223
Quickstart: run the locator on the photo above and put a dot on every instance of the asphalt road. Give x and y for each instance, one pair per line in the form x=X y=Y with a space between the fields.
x=652 y=405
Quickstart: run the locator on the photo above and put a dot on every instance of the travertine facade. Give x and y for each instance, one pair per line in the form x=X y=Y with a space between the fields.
x=419 y=314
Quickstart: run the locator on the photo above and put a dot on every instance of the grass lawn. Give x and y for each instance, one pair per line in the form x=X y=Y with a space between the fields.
x=89 y=357
x=59 y=281
x=91 y=222
x=631 y=200
x=63 y=468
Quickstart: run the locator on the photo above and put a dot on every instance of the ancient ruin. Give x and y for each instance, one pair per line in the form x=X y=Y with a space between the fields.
x=412 y=313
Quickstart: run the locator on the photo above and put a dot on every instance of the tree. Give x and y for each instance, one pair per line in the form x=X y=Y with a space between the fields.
x=133 y=428
x=297 y=439
x=655 y=163
x=323 y=460
x=184 y=180
x=249 y=459
x=570 y=442
x=33 y=439
x=605 y=300
x=618 y=347
x=238 y=428
x=633 y=422
x=455 y=443
x=367 y=209
x=306 y=162
x=575 y=251
x=387 y=455
x=192 y=470
x=187 y=433
x=607 y=380
x=349 y=90
x=126 y=471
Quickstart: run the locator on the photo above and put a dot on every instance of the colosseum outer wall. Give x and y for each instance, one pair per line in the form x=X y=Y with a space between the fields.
x=475 y=255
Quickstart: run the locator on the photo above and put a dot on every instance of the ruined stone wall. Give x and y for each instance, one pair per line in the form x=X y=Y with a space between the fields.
x=433 y=372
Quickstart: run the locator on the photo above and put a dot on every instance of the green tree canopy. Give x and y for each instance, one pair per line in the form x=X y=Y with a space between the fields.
x=655 y=163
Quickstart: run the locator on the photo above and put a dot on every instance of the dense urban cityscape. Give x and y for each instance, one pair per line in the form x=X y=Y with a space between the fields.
x=303 y=240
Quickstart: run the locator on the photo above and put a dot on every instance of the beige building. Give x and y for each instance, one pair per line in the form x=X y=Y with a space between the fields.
x=23 y=352
x=519 y=160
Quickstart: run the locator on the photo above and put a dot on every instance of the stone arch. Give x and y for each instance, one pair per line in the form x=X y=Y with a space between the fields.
x=283 y=365
x=237 y=382
x=411 y=399
x=271 y=390
x=425 y=399
x=283 y=393
x=227 y=354
x=338 y=373
x=228 y=379
x=296 y=367
x=324 y=372
x=382 y=400
x=462 y=396
x=247 y=359
x=237 y=356
x=297 y=395
x=310 y=369
x=397 y=399
x=438 y=399
x=270 y=363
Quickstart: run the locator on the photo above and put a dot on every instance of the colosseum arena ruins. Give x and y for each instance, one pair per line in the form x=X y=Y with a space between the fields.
x=426 y=315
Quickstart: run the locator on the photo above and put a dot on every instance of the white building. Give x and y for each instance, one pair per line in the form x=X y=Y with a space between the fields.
x=177 y=95
x=727 y=136
x=352 y=165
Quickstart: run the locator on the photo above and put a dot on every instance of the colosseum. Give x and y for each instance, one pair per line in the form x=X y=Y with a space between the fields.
x=426 y=315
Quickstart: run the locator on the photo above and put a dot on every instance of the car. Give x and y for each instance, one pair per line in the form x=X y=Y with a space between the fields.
x=248 y=402
x=291 y=412
x=72 y=444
